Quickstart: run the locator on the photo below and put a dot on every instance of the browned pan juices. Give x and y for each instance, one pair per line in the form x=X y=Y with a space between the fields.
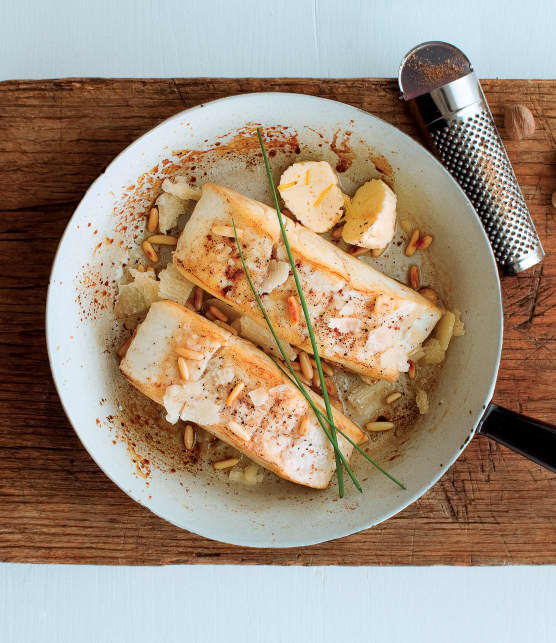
x=234 y=160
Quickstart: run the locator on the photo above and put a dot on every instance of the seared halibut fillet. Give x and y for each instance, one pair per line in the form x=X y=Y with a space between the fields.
x=269 y=420
x=362 y=319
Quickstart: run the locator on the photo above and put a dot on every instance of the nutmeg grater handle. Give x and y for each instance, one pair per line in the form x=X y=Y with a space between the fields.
x=459 y=128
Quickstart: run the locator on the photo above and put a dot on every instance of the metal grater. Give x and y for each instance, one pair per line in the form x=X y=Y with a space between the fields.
x=445 y=96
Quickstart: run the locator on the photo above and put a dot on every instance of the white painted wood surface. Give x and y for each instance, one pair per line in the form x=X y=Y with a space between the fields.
x=135 y=38
x=277 y=604
x=346 y=38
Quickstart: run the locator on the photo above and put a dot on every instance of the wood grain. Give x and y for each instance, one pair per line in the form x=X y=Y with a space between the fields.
x=492 y=507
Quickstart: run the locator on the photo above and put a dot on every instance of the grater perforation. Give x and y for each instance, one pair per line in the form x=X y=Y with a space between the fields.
x=461 y=132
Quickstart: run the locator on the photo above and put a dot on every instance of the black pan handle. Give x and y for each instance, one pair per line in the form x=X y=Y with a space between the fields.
x=532 y=438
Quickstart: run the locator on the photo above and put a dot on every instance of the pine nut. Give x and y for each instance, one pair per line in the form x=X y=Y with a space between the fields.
x=304 y=425
x=232 y=397
x=226 y=326
x=412 y=369
x=327 y=369
x=210 y=316
x=393 y=397
x=425 y=242
x=189 y=353
x=379 y=426
x=218 y=313
x=225 y=231
x=304 y=379
x=316 y=381
x=337 y=404
x=140 y=267
x=183 y=369
x=149 y=252
x=238 y=430
x=429 y=294
x=305 y=364
x=163 y=240
x=336 y=233
x=225 y=464
x=414 y=276
x=412 y=245
x=198 y=298
x=152 y=222
x=376 y=252
x=356 y=251
x=189 y=437
x=293 y=309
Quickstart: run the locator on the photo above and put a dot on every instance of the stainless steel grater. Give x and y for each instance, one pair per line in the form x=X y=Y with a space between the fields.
x=445 y=96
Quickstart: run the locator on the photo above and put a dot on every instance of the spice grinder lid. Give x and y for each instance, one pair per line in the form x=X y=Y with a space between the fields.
x=429 y=66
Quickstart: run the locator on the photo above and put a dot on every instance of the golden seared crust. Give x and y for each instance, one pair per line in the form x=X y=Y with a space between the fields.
x=387 y=320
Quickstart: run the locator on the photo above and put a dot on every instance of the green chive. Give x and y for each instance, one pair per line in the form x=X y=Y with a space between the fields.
x=297 y=382
x=339 y=469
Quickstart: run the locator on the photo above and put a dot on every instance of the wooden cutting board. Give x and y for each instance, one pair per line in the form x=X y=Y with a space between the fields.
x=491 y=507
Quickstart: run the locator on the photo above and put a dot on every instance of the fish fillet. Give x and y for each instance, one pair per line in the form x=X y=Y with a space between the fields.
x=362 y=319
x=264 y=422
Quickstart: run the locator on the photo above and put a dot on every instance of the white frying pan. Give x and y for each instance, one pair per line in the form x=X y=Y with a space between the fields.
x=117 y=427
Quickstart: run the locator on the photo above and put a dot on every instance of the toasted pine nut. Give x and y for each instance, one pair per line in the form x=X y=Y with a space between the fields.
x=304 y=425
x=226 y=231
x=304 y=379
x=379 y=426
x=163 y=240
x=226 y=326
x=336 y=403
x=293 y=309
x=327 y=369
x=183 y=369
x=189 y=437
x=238 y=430
x=152 y=221
x=210 y=316
x=356 y=251
x=198 y=298
x=336 y=233
x=412 y=245
x=140 y=267
x=225 y=464
x=218 y=313
x=316 y=380
x=425 y=242
x=376 y=252
x=429 y=294
x=305 y=364
x=189 y=353
x=149 y=251
x=232 y=397
x=393 y=397
x=412 y=369
x=414 y=276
